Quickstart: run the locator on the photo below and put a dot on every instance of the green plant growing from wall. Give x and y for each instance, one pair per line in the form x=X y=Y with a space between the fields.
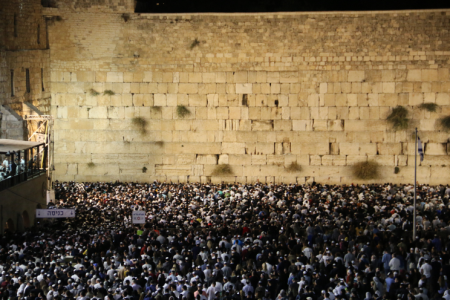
x=194 y=43
x=182 y=111
x=108 y=92
x=91 y=165
x=144 y=169
x=399 y=118
x=429 y=106
x=445 y=123
x=93 y=92
x=140 y=123
x=365 y=170
x=125 y=17
x=396 y=170
x=294 y=167
x=222 y=170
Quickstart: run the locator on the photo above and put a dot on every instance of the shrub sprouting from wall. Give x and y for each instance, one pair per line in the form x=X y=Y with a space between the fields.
x=294 y=167
x=399 y=118
x=194 y=44
x=93 y=92
x=445 y=123
x=182 y=111
x=140 y=123
x=428 y=106
x=365 y=170
x=108 y=92
x=222 y=170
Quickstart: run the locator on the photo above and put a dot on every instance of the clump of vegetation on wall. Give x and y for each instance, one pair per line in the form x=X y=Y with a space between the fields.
x=445 y=123
x=294 y=167
x=429 y=106
x=222 y=170
x=91 y=165
x=108 y=92
x=396 y=170
x=93 y=92
x=399 y=118
x=156 y=108
x=125 y=17
x=159 y=143
x=195 y=43
x=144 y=169
x=140 y=123
x=365 y=170
x=182 y=111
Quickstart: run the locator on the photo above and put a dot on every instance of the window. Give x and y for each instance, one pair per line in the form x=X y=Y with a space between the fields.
x=12 y=83
x=15 y=25
x=39 y=34
x=42 y=79
x=28 y=80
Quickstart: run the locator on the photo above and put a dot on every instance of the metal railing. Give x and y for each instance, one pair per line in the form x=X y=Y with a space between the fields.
x=19 y=178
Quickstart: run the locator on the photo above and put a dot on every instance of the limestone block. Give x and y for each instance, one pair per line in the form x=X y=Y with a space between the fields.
x=389 y=148
x=197 y=100
x=222 y=113
x=282 y=125
x=323 y=88
x=335 y=125
x=233 y=148
x=320 y=125
x=288 y=77
x=367 y=148
x=259 y=159
x=349 y=148
x=239 y=159
x=414 y=75
x=273 y=77
x=195 y=77
x=262 y=125
x=275 y=160
x=356 y=76
x=436 y=160
x=352 y=159
x=160 y=99
x=99 y=77
x=241 y=77
x=430 y=75
x=435 y=149
x=186 y=159
x=319 y=148
x=352 y=99
x=442 y=99
x=114 y=76
x=188 y=88
x=388 y=87
x=192 y=147
x=415 y=98
x=244 y=88
x=99 y=112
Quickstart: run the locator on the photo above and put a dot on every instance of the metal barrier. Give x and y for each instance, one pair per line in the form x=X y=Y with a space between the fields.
x=19 y=178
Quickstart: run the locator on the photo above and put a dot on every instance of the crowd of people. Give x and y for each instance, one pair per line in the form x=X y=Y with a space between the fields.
x=234 y=241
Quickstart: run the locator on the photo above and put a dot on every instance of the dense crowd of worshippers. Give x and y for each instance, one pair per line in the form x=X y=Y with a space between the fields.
x=234 y=241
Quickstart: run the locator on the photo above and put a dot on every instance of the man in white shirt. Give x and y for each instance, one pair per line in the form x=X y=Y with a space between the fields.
x=426 y=268
x=394 y=264
x=211 y=291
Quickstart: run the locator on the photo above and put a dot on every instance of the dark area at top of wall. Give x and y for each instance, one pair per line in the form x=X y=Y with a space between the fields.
x=179 y=6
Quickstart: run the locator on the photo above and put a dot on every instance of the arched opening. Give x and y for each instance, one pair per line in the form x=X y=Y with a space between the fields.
x=26 y=219
x=9 y=226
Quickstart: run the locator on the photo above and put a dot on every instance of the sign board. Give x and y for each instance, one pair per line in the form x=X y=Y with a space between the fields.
x=138 y=217
x=55 y=213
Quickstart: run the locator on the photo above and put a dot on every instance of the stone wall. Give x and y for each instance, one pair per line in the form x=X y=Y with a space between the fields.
x=263 y=91
x=24 y=46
